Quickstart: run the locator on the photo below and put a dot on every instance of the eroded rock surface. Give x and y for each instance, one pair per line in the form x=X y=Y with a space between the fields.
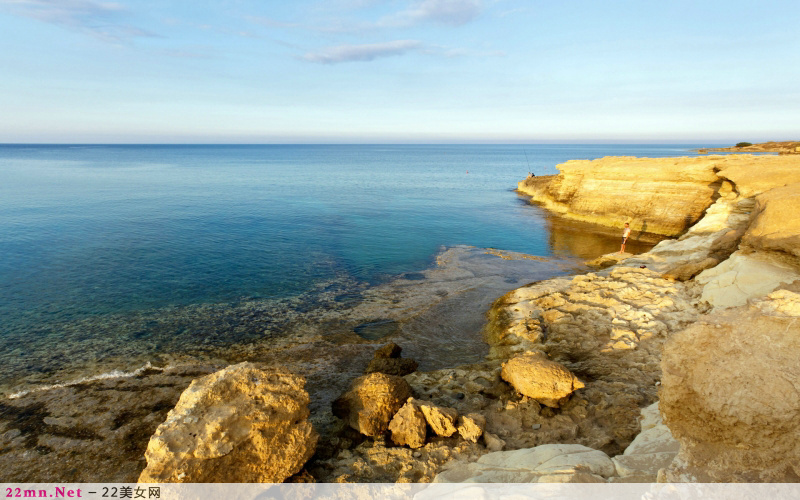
x=408 y=426
x=730 y=394
x=241 y=424
x=372 y=401
x=553 y=463
x=535 y=376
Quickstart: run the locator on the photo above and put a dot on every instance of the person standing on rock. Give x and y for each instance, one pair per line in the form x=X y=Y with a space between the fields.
x=625 y=233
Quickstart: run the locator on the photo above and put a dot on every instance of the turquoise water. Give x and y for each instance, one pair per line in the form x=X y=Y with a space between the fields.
x=88 y=231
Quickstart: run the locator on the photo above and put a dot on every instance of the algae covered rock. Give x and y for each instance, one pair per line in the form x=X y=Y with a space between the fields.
x=537 y=377
x=240 y=424
x=371 y=402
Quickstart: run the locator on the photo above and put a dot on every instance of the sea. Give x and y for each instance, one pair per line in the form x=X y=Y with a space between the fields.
x=115 y=252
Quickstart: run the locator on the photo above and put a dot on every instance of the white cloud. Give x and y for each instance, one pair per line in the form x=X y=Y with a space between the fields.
x=99 y=19
x=364 y=52
x=451 y=12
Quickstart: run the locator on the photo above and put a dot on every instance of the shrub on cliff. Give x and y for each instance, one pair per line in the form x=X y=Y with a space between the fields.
x=743 y=144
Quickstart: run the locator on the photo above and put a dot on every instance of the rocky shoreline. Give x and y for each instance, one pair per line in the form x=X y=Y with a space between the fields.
x=678 y=364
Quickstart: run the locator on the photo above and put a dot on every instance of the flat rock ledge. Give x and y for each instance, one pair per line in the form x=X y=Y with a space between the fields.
x=240 y=424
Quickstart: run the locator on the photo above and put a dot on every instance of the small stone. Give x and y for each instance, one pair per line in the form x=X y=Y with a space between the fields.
x=441 y=419
x=493 y=443
x=408 y=426
x=471 y=426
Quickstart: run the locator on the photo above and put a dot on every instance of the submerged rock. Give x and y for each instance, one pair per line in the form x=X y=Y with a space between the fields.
x=387 y=360
x=729 y=394
x=371 y=402
x=537 y=377
x=240 y=424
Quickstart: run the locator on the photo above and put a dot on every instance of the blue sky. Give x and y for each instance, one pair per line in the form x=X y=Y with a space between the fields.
x=398 y=71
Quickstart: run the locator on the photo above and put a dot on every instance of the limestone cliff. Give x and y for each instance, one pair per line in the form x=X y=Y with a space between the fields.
x=663 y=196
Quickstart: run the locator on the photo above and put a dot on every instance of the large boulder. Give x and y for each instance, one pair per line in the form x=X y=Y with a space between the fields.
x=537 y=377
x=240 y=424
x=730 y=393
x=371 y=402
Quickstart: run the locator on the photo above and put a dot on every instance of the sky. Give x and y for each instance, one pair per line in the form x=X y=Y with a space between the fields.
x=394 y=71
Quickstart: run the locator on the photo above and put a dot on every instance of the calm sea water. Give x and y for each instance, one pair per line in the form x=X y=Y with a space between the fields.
x=87 y=231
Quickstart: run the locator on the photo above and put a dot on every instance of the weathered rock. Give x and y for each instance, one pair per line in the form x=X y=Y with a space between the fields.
x=652 y=450
x=390 y=350
x=535 y=376
x=392 y=366
x=493 y=443
x=743 y=277
x=471 y=426
x=685 y=272
x=776 y=223
x=608 y=260
x=547 y=464
x=662 y=196
x=408 y=426
x=240 y=424
x=729 y=393
x=608 y=329
x=442 y=420
x=371 y=402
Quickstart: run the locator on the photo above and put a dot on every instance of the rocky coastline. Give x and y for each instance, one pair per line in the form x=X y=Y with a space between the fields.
x=674 y=365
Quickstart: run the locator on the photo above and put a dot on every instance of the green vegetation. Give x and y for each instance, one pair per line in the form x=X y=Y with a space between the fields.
x=743 y=144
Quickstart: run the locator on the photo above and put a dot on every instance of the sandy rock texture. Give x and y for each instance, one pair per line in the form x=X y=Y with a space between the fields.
x=653 y=450
x=730 y=393
x=655 y=195
x=241 y=424
x=535 y=376
x=552 y=463
x=606 y=328
x=371 y=402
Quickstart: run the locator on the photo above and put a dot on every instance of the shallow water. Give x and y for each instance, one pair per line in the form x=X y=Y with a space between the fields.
x=114 y=253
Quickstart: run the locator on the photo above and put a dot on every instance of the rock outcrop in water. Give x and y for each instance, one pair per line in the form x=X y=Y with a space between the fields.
x=240 y=424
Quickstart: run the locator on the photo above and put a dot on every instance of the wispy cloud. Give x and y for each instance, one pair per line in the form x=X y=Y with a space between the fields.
x=450 y=12
x=104 y=20
x=364 y=52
